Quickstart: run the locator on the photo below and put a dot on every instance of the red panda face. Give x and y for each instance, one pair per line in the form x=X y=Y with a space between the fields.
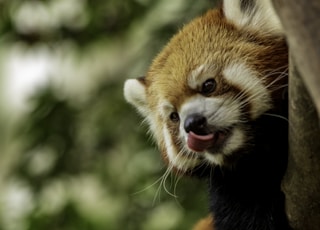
x=205 y=88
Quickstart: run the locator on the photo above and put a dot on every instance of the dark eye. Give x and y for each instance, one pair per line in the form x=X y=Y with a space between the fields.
x=208 y=86
x=174 y=116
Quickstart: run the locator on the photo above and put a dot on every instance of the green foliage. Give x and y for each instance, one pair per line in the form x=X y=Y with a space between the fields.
x=83 y=160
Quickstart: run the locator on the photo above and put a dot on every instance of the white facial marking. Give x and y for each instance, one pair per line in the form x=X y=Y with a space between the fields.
x=200 y=75
x=233 y=143
x=221 y=112
x=215 y=159
x=249 y=82
x=165 y=108
x=175 y=158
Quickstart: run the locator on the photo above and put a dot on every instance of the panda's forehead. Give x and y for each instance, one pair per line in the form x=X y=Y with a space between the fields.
x=200 y=74
x=176 y=88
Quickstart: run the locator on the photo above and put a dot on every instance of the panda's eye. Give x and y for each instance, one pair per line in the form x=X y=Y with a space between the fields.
x=208 y=87
x=174 y=116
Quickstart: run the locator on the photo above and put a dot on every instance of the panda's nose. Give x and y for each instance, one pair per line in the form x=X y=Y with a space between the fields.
x=196 y=123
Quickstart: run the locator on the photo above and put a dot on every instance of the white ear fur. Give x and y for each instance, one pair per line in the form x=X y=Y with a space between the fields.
x=135 y=94
x=253 y=14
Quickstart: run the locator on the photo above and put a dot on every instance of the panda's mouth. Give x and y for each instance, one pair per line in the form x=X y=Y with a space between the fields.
x=210 y=142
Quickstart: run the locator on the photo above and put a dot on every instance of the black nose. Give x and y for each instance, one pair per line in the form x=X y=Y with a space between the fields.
x=196 y=123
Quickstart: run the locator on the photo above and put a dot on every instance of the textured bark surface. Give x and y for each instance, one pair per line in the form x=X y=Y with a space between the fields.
x=302 y=181
x=301 y=22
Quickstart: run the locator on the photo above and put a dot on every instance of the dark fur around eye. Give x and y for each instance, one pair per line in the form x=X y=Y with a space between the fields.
x=174 y=116
x=208 y=87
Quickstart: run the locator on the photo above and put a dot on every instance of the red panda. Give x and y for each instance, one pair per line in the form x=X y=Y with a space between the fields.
x=215 y=101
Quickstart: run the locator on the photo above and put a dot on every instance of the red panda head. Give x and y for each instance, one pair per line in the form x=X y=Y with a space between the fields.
x=217 y=75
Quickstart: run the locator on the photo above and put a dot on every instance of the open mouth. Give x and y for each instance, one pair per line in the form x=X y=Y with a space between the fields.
x=211 y=142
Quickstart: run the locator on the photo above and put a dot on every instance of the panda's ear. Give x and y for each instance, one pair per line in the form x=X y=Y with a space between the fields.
x=253 y=14
x=135 y=94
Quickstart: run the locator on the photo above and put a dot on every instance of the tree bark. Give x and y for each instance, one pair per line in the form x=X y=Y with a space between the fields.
x=302 y=180
x=301 y=22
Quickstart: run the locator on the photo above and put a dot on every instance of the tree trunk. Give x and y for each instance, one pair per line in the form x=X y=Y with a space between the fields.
x=301 y=22
x=302 y=181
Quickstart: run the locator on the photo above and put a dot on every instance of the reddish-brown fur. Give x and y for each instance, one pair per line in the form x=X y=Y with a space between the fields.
x=211 y=39
x=216 y=41
x=204 y=224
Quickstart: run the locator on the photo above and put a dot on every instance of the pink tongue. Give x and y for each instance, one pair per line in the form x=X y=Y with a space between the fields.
x=199 y=143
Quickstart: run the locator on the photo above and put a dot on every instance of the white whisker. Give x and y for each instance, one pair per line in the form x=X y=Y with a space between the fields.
x=277 y=116
x=148 y=187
